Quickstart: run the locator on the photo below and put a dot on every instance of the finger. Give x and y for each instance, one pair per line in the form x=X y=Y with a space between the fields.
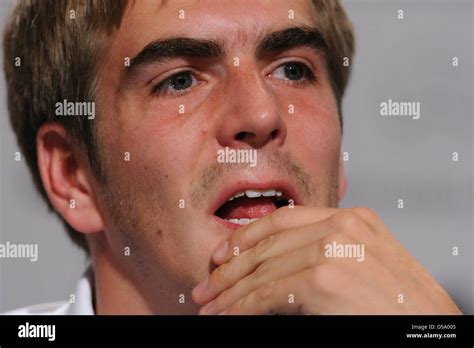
x=282 y=219
x=273 y=269
x=237 y=268
x=283 y=296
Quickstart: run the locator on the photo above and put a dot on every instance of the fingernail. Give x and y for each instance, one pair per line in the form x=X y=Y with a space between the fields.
x=200 y=290
x=221 y=251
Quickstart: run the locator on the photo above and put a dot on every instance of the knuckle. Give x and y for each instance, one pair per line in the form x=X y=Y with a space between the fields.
x=222 y=275
x=263 y=247
x=327 y=243
x=264 y=269
x=349 y=221
x=237 y=307
x=265 y=292
x=366 y=213
x=322 y=276
x=370 y=220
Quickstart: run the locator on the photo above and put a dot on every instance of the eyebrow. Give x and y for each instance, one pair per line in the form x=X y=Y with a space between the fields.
x=180 y=47
x=183 y=47
x=282 y=40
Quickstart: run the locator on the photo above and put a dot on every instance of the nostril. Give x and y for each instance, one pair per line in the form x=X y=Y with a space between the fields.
x=244 y=135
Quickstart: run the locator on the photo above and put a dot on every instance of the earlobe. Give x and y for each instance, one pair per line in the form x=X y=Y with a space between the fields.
x=342 y=187
x=66 y=179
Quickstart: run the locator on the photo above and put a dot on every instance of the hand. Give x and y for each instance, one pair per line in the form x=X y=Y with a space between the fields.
x=318 y=261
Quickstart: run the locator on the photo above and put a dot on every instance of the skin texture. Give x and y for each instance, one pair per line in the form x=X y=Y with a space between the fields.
x=173 y=158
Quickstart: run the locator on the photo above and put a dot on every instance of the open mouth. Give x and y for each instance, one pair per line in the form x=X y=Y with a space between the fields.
x=246 y=206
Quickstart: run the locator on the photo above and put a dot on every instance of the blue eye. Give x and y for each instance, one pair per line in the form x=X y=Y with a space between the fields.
x=175 y=84
x=294 y=71
x=181 y=81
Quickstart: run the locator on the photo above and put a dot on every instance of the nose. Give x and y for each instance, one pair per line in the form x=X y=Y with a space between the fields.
x=251 y=114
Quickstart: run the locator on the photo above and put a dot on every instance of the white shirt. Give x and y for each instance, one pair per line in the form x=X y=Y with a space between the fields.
x=82 y=305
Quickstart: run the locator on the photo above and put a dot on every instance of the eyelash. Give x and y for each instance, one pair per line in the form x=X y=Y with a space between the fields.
x=160 y=89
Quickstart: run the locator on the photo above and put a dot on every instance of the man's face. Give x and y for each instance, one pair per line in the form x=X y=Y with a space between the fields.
x=159 y=137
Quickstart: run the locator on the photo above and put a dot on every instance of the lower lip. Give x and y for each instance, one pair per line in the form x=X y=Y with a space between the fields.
x=227 y=224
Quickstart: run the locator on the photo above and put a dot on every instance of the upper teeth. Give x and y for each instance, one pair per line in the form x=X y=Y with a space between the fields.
x=257 y=193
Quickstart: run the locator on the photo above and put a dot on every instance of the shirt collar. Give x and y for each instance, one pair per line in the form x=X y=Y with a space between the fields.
x=83 y=296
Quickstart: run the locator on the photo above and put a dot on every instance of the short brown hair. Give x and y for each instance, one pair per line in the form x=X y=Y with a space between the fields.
x=59 y=44
x=337 y=31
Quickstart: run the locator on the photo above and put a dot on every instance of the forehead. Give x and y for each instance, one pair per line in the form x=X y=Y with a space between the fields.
x=239 y=22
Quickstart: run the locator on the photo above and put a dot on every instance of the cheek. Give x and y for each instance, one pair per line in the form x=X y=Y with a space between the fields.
x=163 y=156
x=157 y=156
x=315 y=133
x=316 y=123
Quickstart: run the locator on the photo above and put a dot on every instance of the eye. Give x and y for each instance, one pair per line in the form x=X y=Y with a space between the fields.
x=294 y=71
x=178 y=83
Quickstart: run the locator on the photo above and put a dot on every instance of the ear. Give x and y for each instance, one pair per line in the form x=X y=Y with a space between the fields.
x=342 y=179
x=67 y=180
